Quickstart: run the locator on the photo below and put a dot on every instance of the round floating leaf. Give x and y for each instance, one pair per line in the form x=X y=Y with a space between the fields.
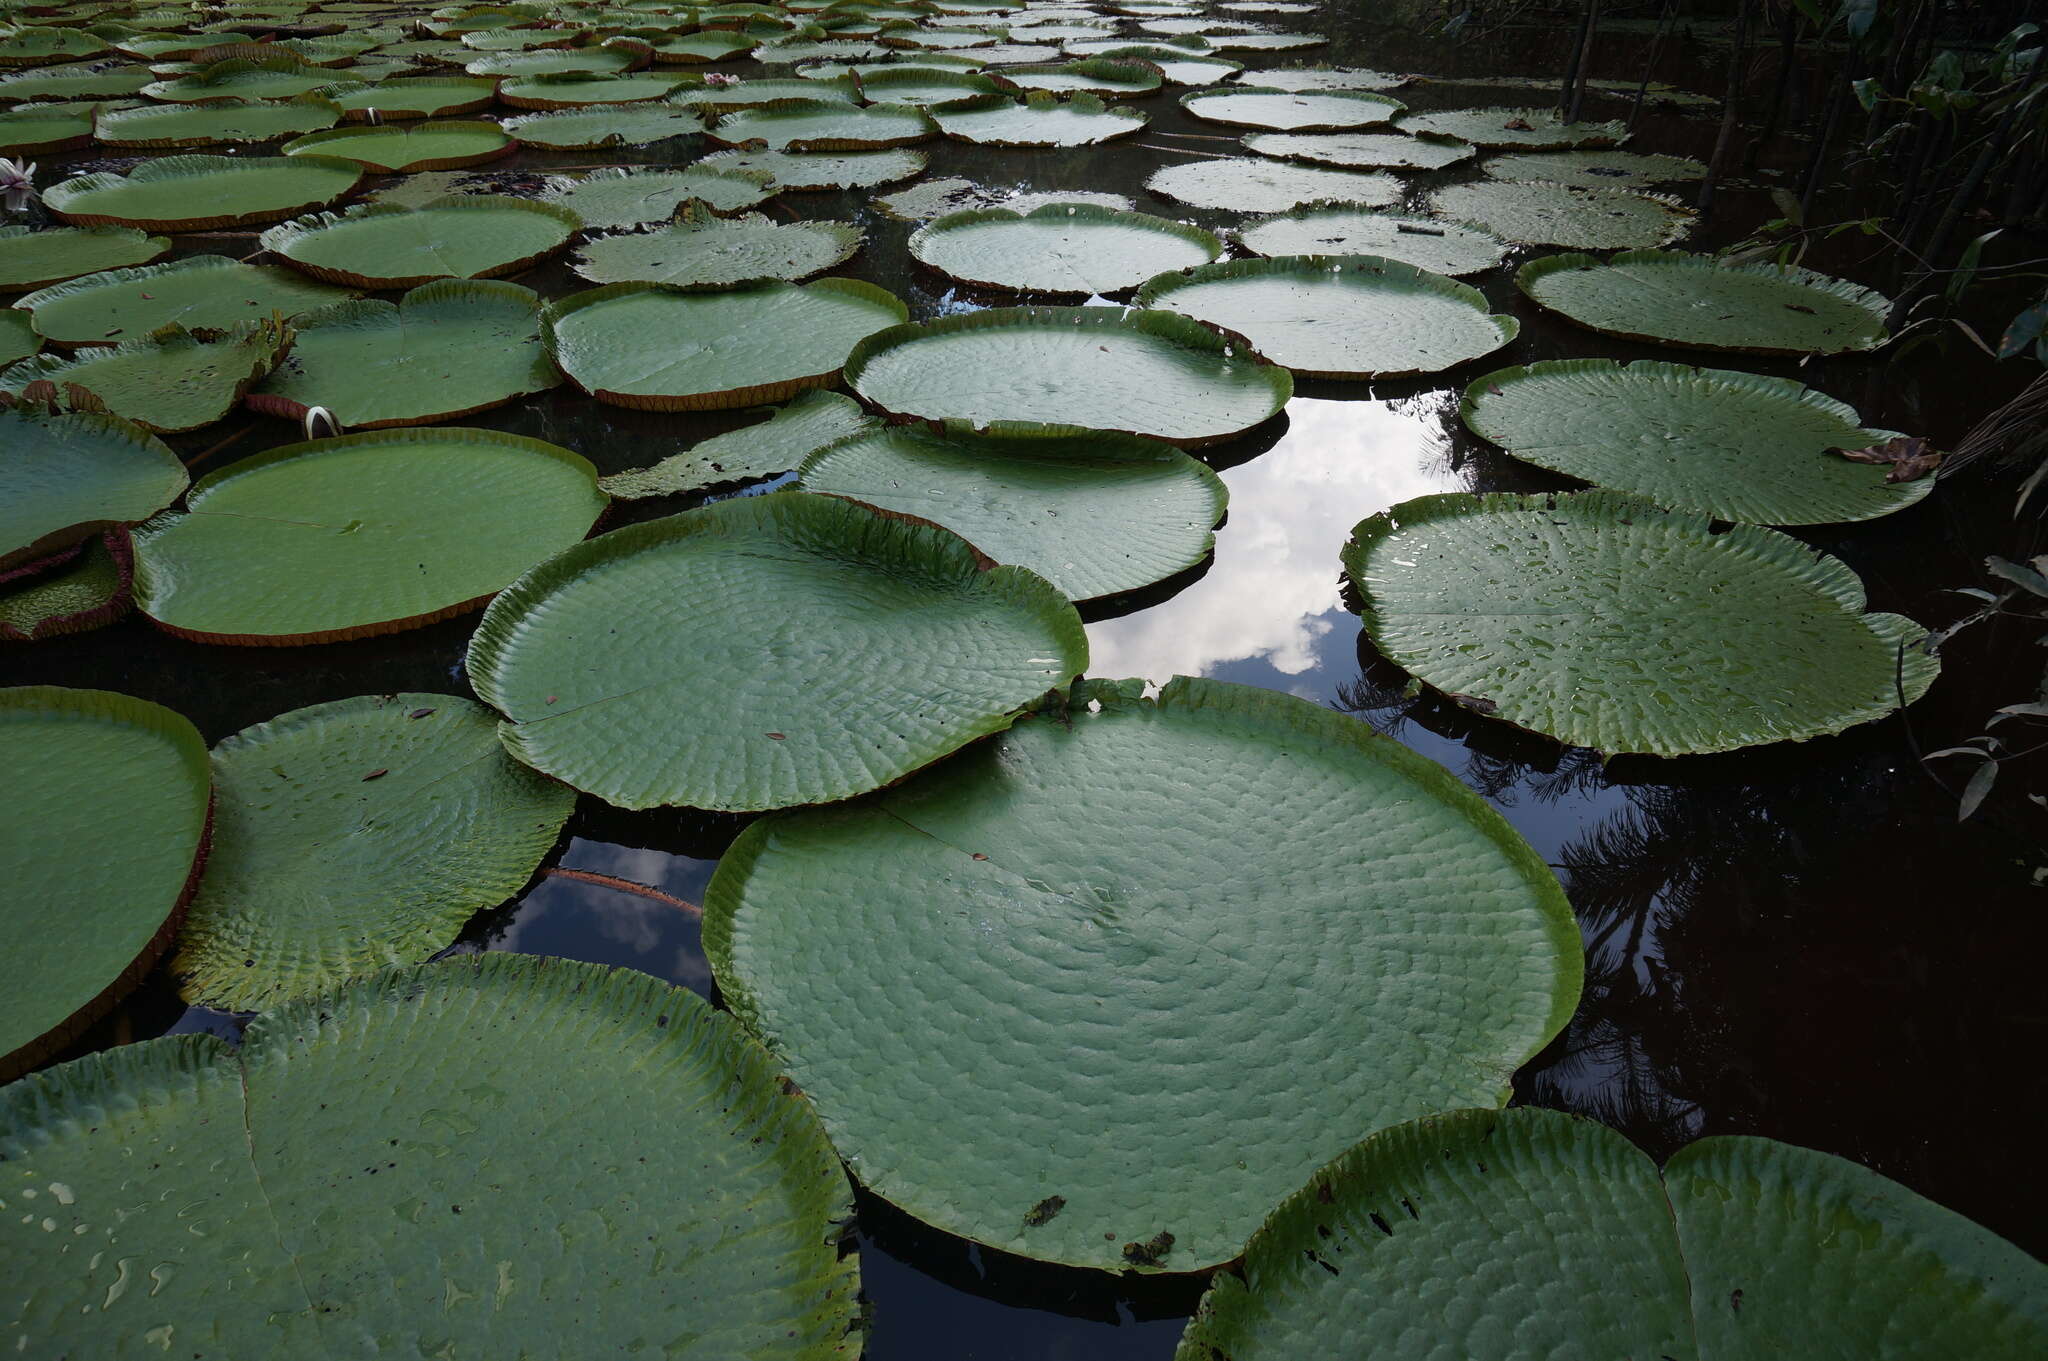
x=446 y=349
x=43 y=129
x=577 y=91
x=168 y=382
x=1606 y=623
x=1597 y=169
x=421 y=146
x=935 y=198
x=715 y=99
x=75 y=80
x=1264 y=42
x=18 y=336
x=702 y=695
x=411 y=97
x=1094 y=514
x=1734 y=446
x=41 y=45
x=600 y=127
x=31 y=259
x=1326 y=78
x=1360 y=150
x=1244 y=185
x=355 y=835
x=719 y=252
x=700 y=48
x=207 y=292
x=385 y=245
x=273 y=78
x=618 y=197
x=1251 y=106
x=182 y=125
x=90 y=591
x=1541 y=128
x=1673 y=298
x=1540 y=214
x=922 y=86
x=463 y=1086
x=823 y=125
x=773 y=446
x=801 y=170
x=1040 y=119
x=1060 y=248
x=561 y=61
x=1340 y=229
x=67 y=476
x=1102 y=76
x=88 y=913
x=202 y=193
x=1177 y=65
x=1339 y=317
x=1103 y=368
x=638 y=345
x=1532 y=1233
x=1108 y=916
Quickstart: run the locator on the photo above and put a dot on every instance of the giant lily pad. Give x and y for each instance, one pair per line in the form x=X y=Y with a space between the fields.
x=1252 y=106
x=44 y=129
x=380 y=245
x=586 y=90
x=1108 y=917
x=1100 y=76
x=704 y=47
x=559 y=61
x=1094 y=514
x=700 y=695
x=74 y=80
x=151 y=126
x=318 y=875
x=1535 y=128
x=169 y=381
x=1340 y=229
x=599 y=126
x=360 y=535
x=801 y=170
x=1595 y=169
x=1326 y=78
x=823 y=125
x=202 y=193
x=419 y=146
x=1706 y=304
x=1039 y=119
x=1178 y=65
x=1103 y=368
x=40 y=45
x=1454 y=1234
x=707 y=251
x=618 y=197
x=1245 y=185
x=920 y=86
x=1539 y=214
x=929 y=199
x=83 y=928
x=273 y=78
x=459 y=1085
x=1060 y=248
x=199 y=292
x=1362 y=150
x=67 y=476
x=18 y=336
x=1339 y=317
x=88 y=591
x=411 y=97
x=730 y=98
x=774 y=446
x=1606 y=623
x=639 y=345
x=1735 y=446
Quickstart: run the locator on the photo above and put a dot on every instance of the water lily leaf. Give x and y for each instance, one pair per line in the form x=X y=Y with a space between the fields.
x=411 y=97
x=1013 y=54
x=1327 y=78
x=1339 y=317
x=202 y=193
x=1060 y=248
x=82 y=929
x=1067 y=859
x=446 y=349
x=32 y=259
x=805 y=49
x=1703 y=303
x=598 y=127
x=1094 y=514
x=1532 y=213
x=1736 y=1251
x=1247 y=185
x=90 y=591
x=577 y=90
x=1362 y=150
x=822 y=125
x=67 y=476
x=1264 y=42
x=1607 y=623
x=385 y=245
x=361 y=535
x=1598 y=169
x=198 y=292
x=746 y=94
x=557 y=61
x=1541 y=128
x=44 y=129
x=420 y=146
x=272 y=78
x=152 y=126
x=920 y=86
x=1252 y=106
x=639 y=345
x=704 y=47
x=1735 y=446
x=42 y=45
x=18 y=336
x=1040 y=119
x=719 y=252
x=1177 y=66
x=317 y=875
x=928 y=199
x=414 y=1075
x=1341 y=229
x=169 y=381
x=1191 y=45
x=1018 y=369
x=619 y=197
x=75 y=80
x=801 y=170
x=776 y=445
x=867 y=604
x=1101 y=76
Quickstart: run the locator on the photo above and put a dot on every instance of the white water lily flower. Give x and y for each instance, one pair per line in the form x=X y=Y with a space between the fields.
x=17 y=184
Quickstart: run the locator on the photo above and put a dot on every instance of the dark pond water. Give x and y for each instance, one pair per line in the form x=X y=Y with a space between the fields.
x=1798 y=942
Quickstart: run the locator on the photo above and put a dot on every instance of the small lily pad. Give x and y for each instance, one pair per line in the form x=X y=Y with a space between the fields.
x=1245 y=185
x=31 y=259
x=416 y=146
x=793 y=433
x=88 y=592
x=198 y=292
x=386 y=245
x=67 y=476
x=619 y=197
x=719 y=252
x=1533 y=213
x=1341 y=229
x=1060 y=248
x=202 y=193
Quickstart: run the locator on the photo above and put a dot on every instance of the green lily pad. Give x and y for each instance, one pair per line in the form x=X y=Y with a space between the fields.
x=1245 y=185
x=921 y=86
x=411 y=97
x=42 y=45
x=1060 y=248
x=18 y=336
x=704 y=47
x=274 y=78
x=318 y=875
x=1734 y=446
x=1262 y=42
x=67 y=476
x=44 y=129
x=202 y=193
x=1538 y=128
x=1328 y=78
x=822 y=125
x=747 y=94
x=1252 y=106
x=928 y=199
x=1362 y=150
x=1542 y=214
x=1019 y=369
x=1104 y=77
x=1445 y=1232
x=1039 y=119
x=866 y=605
x=81 y=929
x=1596 y=169
x=579 y=90
x=360 y=535
x=31 y=259
x=1113 y=986
x=167 y=382
x=619 y=197
x=776 y=445
x=1672 y=298
x=1094 y=514
x=421 y=1076
x=797 y=171
x=1354 y=317
x=152 y=126
x=382 y=245
x=1341 y=229
x=74 y=80
x=198 y=292
x=1177 y=65
x=719 y=252
x=599 y=127
x=555 y=61
x=419 y=146
x=88 y=592
x=446 y=349
x=655 y=349
x=1604 y=622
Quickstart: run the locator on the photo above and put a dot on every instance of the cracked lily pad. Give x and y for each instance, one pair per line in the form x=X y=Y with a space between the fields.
x=598 y=127
x=1060 y=248
x=822 y=125
x=1443 y=1231
x=619 y=197
x=360 y=535
x=1341 y=229
x=776 y=445
x=1067 y=859
x=1039 y=119
x=1362 y=150
x=1735 y=446
x=1540 y=214
x=1020 y=369
x=202 y=193
x=708 y=251
x=198 y=292
x=1522 y=128
x=66 y=476
x=416 y=146
x=865 y=605
x=416 y=1075
x=1596 y=169
x=1607 y=623
x=82 y=929
x=168 y=382
x=798 y=171
x=318 y=875
x=1351 y=317
x=1252 y=106
x=386 y=245
x=1246 y=185
x=152 y=126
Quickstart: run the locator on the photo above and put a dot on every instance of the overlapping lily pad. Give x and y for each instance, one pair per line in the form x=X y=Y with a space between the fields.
x=801 y=170
x=1326 y=78
x=417 y=146
x=921 y=86
x=67 y=476
x=618 y=197
x=1598 y=169
x=271 y=78
x=1604 y=622
x=1178 y=65
x=18 y=336
x=168 y=382
x=1526 y=128
x=411 y=97
x=44 y=129
x=707 y=251
x=823 y=125
x=1039 y=119
x=1107 y=915
x=710 y=45
x=1105 y=77
x=151 y=126
x=1246 y=185
x=599 y=126
x=89 y=590
x=776 y=445
x=202 y=193
x=929 y=199
x=1341 y=229
x=74 y=80
x=1060 y=248
x=1253 y=106
x=729 y=98
x=198 y=292
x=1534 y=213
x=380 y=245
x=37 y=46
x=581 y=90
x=1362 y=150
x=750 y=647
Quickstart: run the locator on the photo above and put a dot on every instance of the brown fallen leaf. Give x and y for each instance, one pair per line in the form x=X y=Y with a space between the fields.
x=1518 y=125
x=377 y=774
x=419 y=713
x=1801 y=307
x=780 y=737
x=1476 y=703
x=1910 y=457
